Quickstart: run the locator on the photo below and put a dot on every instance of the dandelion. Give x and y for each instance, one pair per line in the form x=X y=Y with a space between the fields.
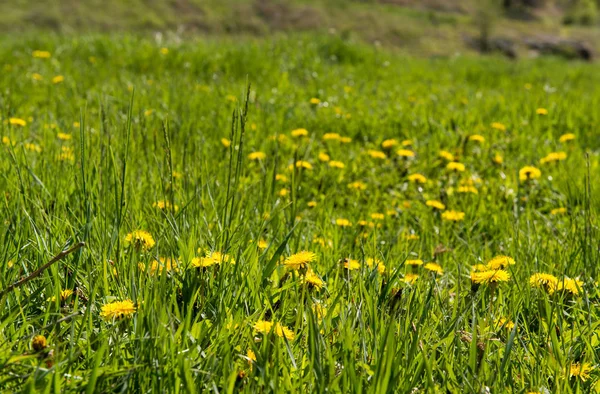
x=477 y=138
x=351 y=264
x=331 y=137
x=498 y=159
x=302 y=164
x=225 y=142
x=64 y=295
x=39 y=343
x=58 y=79
x=417 y=178
x=117 y=310
x=444 y=154
x=569 y=285
x=343 y=222
x=41 y=54
x=581 y=371
x=33 y=147
x=405 y=153
x=435 y=204
x=567 y=137
x=377 y=216
x=336 y=164
x=299 y=133
x=64 y=136
x=312 y=280
x=407 y=143
x=231 y=98
x=453 y=216
x=257 y=156
x=491 y=276
x=37 y=77
x=162 y=205
x=281 y=178
x=455 y=166
x=541 y=111
x=500 y=262
x=389 y=144
x=17 y=122
x=262 y=244
x=324 y=157
x=410 y=278
x=498 y=126
x=266 y=327
x=467 y=189
x=544 y=281
x=358 y=185
x=300 y=260
x=553 y=157
x=66 y=154
x=376 y=154
x=505 y=323
x=312 y=204
x=346 y=140
x=251 y=356
x=140 y=239
x=372 y=262
x=529 y=173
x=433 y=267
x=414 y=262
x=558 y=211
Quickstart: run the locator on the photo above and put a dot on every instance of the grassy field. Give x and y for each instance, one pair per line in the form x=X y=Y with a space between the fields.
x=300 y=214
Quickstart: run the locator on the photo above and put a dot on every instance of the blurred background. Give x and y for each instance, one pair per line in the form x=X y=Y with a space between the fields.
x=514 y=28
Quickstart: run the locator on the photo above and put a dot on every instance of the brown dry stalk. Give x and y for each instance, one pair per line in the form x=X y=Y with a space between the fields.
x=44 y=267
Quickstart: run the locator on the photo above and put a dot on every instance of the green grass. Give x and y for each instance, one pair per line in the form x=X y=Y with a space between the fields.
x=149 y=129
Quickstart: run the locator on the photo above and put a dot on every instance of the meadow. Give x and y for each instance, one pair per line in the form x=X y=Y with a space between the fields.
x=304 y=213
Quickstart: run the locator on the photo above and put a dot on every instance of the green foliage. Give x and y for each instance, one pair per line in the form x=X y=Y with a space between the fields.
x=142 y=134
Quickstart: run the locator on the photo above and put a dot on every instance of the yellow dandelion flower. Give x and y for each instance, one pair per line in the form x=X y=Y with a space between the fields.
x=357 y=185
x=453 y=216
x=406 y=142
x=58 y=79
x=346 y=140
x=376 y=154
x=455 y=166
x=257 y=156
x=491 y=276
x=299 y=260
x=312 y=204
x=377 y=216
x=225 y=142
x=372 y=262
x=410 y=278
x=281 y=178
x=251 y=355
x=140 y=239
x=569 y=285
x=331 y=136
x=435 y=204
x=302 y=164
x=312 y=280
x=498 y=126
x=498 y=159
x=414 y=262
x=581 y=371
x=41 y=54
x=417 y=178
x=558 y=211
x=164 y=205
x=467 y=189
x=64 y=136
x=405 y=153
x=351 y=264
x=336 y=164
x=528 y=173
x=433 y=267
x=117 y=310
x=553 y=157
x=33 y=147
x=444 y=154
x=477 y=138
x=17 y=122
x=547 y=282
x=389 y=144
x=500 y=262
x=567 y=137
x=299 y=133
x=541 y=111
x=343 y=222
x=505 y=323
